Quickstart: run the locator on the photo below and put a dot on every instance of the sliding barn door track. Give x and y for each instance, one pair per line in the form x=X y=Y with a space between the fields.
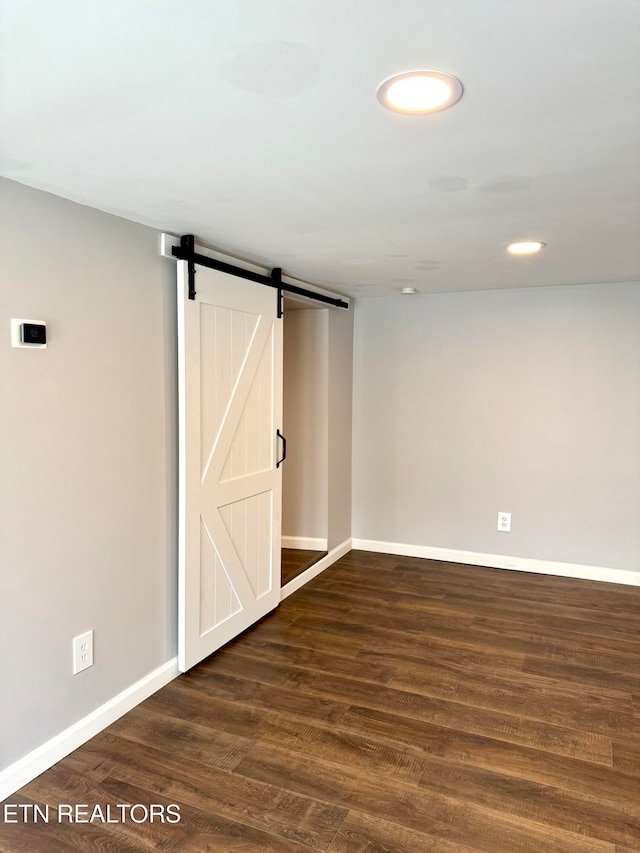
x=186 y=251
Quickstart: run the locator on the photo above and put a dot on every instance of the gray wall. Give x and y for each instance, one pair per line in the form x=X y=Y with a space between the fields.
x=525 y=401
x=340 y=423
x=88 y=461
x=318 y=398
x=305 y=396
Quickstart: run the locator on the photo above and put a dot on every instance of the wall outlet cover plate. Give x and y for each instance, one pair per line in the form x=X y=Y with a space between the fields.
x=504 y=522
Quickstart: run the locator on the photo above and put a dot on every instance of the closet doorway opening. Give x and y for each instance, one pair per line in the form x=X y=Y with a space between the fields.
x=305 y=474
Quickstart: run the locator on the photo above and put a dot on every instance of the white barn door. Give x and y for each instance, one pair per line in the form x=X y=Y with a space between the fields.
x=230 y=490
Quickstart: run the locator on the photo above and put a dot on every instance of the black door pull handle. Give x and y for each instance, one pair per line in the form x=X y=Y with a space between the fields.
x=284 y=448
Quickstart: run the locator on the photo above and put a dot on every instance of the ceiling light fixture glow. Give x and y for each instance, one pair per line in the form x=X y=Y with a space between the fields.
x=418 y=92
x=525 y=247
x=408 y=291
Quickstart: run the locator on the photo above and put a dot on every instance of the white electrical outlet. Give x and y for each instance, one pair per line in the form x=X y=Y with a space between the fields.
x=82 y=652
x=504 y=522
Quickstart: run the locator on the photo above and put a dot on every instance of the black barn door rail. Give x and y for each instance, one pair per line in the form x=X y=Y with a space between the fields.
x=186 y=252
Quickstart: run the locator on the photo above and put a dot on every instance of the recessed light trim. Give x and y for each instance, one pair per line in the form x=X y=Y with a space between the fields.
x=420 y=92
x=408 y=291
x=525 y=247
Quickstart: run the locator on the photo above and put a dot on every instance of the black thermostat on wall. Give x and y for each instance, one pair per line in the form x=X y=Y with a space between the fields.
x=28 y=333
x=33 y=333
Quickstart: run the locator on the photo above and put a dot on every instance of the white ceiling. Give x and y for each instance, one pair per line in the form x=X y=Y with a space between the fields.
x=255 y=125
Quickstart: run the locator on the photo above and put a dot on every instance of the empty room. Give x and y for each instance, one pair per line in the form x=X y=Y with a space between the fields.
x=320 y=426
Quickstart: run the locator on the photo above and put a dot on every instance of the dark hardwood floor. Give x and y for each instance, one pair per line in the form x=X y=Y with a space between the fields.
x=392 y=704
x=295 y=561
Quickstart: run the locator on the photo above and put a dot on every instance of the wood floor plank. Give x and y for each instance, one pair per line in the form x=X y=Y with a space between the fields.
x=621 y=649
x=362 y=833
x=619 y=628
x=526 y=799
x=271 y=699
x=203 y=828
x=229 y=795
x=532 y=585
x=561 y=646
x=328 y=606
x=506 y=727
x=341 y=593
x=54 y=837
x=426 y=812
x=385 y=648
x=434 y=640
x=391 y=705
x=314 y=659
x=541 y=804
x=365 y=834
x=255 y=667
x=60 y=785
x=573 y=673
x=342 y=748
x=450 y=580
x=534 y=700
x=294 y=561
x=626 y=756
x=469 y=669
x=303 y=637
x=200 y=738
x=448 y=609
x=614 y=786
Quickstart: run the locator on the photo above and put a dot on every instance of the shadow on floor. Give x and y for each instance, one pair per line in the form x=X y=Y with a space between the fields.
x=295 y=561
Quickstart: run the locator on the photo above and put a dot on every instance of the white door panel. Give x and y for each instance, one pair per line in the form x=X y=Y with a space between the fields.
x=230 y=401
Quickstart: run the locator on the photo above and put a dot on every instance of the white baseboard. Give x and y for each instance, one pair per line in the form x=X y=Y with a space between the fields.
x=499 y=561
x=315 y=569
x=46 y=755
x=304 y=543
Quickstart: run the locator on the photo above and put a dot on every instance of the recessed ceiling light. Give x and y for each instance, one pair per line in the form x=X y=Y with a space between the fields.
x=525 y=247
x=408 y=291
x=419 y=92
